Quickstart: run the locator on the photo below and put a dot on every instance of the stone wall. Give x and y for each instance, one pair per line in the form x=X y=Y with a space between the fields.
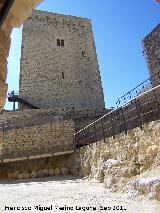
x=123 y=159
x=19 y=11
x=151 y=45
x=47 y=138
x=55 y=76
x=41 y=167
x=80 y=123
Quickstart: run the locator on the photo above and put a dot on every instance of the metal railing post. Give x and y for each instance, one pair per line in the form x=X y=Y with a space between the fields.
x=112 y=126
x=138 y=109
x=74 y=142
x=156 y=102
x=82 y=138
x=124 y=120
x=119 y=121
x=95 y=135
x=102 y=124
x=79 y=140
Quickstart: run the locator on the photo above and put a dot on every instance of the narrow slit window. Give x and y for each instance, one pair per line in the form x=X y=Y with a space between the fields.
x=83 y=53
x=58 y=43
x=63 y=75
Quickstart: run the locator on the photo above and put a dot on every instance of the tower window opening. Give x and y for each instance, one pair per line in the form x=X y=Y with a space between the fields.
x=62 y=43
x=58 y=43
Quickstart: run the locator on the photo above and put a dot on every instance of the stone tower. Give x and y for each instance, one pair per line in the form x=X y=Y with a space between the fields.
x=59 y=67
x=151 y=45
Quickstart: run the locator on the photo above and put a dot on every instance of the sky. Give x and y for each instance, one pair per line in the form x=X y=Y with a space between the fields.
x=118 y=28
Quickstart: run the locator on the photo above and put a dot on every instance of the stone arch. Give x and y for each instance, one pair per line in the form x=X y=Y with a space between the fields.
x=19 y=11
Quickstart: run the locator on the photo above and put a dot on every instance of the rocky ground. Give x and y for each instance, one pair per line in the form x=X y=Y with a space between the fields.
x=128 y=163
x=69 y=194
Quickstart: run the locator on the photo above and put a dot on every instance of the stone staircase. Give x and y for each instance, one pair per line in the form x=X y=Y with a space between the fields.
x=15 y=97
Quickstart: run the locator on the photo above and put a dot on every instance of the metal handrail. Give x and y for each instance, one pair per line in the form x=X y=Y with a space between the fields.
x=143 y=84
x=140 y=96
x=132 y=114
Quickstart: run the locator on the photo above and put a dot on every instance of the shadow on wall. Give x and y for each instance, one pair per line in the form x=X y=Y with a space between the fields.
x=63 y=179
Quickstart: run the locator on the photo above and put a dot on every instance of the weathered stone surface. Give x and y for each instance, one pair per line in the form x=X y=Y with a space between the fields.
x=45 y=172
x=151 y=45
x=26 y=175
x=15 y=174
x=123 y=158
x=51 y=172
x=39 y=165
x=37 y=139
x=57 y=171
x=155 y=191
x=111 y=163
x=64 y=171
x=40 y=174
x=3 y=93
x=148 y=186
x=152 y=151
x=34 y=174
x=20 y=176
x=10 y=175
x=5 y=45
x=20 y=11
x=3 y=68
x=109 y=181
x=75 y=172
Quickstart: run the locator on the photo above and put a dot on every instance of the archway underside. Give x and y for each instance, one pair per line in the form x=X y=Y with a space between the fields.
x=20 y=10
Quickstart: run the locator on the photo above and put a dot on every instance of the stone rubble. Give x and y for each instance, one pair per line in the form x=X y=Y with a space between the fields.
x=38 y=174
x=120 y=162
